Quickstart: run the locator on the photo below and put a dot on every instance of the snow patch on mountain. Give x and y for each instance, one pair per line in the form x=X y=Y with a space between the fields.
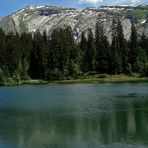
x=47 y=18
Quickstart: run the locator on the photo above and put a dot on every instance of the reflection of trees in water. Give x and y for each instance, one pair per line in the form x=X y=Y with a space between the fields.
x=126 y=123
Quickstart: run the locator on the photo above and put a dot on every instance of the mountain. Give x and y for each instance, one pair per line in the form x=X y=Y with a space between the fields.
x=47 y=18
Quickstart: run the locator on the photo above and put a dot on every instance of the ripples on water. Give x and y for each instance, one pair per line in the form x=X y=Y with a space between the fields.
x=106 y=115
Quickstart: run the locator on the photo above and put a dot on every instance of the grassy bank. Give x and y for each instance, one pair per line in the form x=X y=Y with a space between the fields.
x=100 y=78
x=97 y=78
x=23 y=82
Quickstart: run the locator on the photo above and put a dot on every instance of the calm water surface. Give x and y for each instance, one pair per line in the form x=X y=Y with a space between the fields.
x=109 y=115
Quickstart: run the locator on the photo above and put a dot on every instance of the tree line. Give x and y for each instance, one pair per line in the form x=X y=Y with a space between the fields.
x=38 y=56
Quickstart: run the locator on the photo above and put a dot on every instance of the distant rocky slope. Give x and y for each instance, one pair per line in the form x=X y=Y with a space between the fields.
x=47 y=18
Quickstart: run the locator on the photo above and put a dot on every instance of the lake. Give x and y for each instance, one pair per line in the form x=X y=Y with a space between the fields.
x=107 y=115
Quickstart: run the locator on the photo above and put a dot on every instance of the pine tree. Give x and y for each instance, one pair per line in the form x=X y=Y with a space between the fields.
x=91 y=50
x=26 y=47
x=144 y=43
x=83 y=47
x=38 y=57
x=44 y=53
x=13 y=56
x=54 y=50
x=2 y=48
x=88 y=48
x=116 y=60
x=69 y=49
x=63 y=51
x=72 y=53
x=102 y=49
x=122 y=48
x=83 y=42
x=133 y=44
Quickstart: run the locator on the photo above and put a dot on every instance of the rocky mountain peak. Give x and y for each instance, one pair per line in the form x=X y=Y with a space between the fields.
x=47 y=18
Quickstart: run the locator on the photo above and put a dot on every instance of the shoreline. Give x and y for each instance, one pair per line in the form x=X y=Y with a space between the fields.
x=104 y=78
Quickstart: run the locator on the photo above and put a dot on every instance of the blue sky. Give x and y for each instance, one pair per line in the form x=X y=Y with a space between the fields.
x=9 y=6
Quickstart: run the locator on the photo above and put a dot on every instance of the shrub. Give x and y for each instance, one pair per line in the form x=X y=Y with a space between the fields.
x=103 y=76
x=16 y=77
x=54 y=74
x=2 y=78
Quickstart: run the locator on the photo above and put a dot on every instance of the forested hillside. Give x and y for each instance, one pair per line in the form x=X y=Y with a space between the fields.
x=38 y=56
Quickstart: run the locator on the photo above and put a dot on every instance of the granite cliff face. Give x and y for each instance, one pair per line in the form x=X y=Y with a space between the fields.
x=47 y=18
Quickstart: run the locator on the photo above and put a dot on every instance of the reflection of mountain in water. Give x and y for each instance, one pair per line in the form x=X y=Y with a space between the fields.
x=126 y=127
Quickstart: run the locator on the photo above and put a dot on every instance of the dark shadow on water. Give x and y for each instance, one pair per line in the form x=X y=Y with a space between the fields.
x=86 y=116
x=41 y=129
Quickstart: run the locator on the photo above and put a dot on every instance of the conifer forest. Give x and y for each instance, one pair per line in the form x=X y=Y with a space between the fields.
x=58 y=56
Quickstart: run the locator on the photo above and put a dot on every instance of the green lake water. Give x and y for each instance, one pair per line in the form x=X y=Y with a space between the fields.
x=107 y=115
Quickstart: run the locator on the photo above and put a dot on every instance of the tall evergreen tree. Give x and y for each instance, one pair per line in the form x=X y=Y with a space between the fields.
x=2 y=47
x=133 y=44
x=88 y=48
x=70 y=49
x=144 y=43
x=38 y=55
x=137 y=54
x=122 y=48
x=116 y=62
x=13 y=56
x=26 y=48
x=83 y=47
x=91 y=50
x=63 y=50
x=102 y=49
x=83 y=42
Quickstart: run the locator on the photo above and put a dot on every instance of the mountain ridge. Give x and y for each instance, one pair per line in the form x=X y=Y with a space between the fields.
x=32 y=18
